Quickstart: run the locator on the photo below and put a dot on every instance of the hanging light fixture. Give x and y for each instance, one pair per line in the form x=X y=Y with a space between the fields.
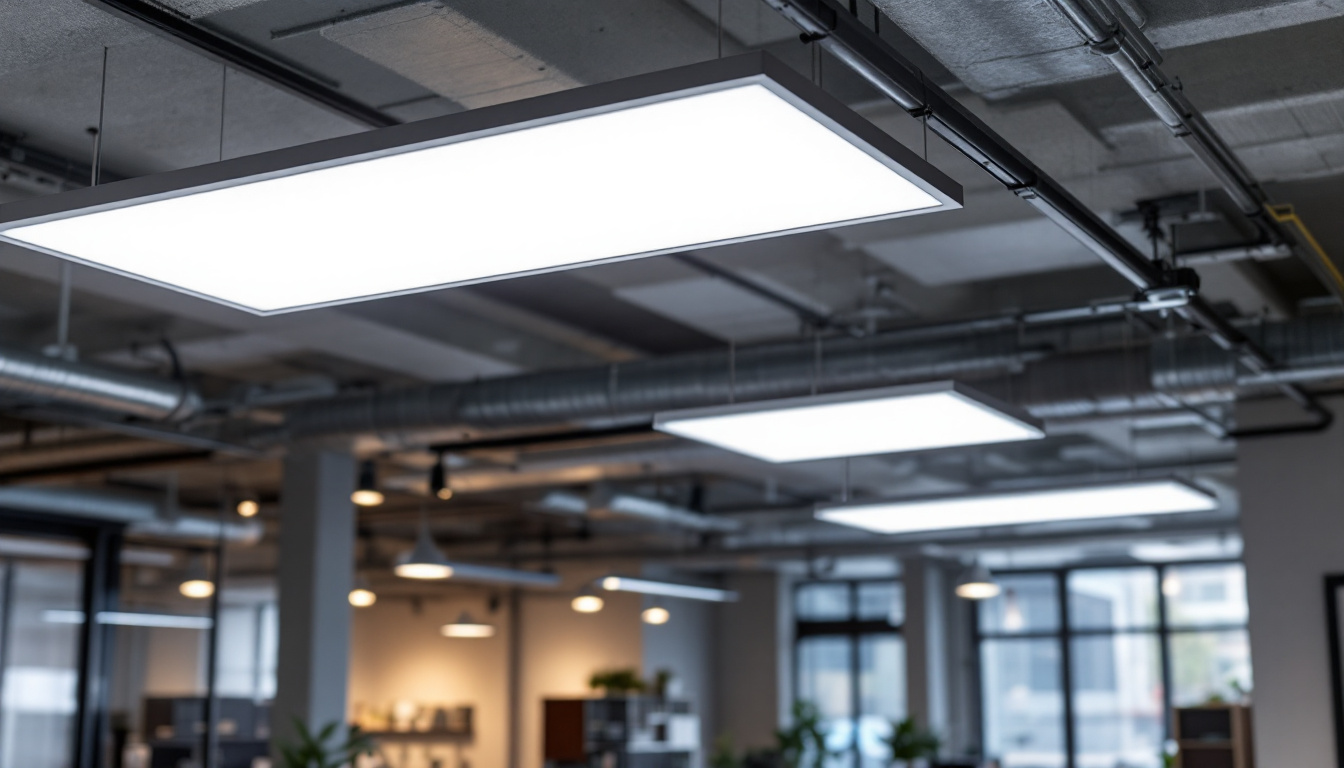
x=362 y=596
x=706 y=154
x=656 y=615
x=644 y=586
x=424 y=561
x=248 y=507
x=467 y=628
x=1013 y=619
x=196 y=584
x=366 y=493
x=1090 y=501
x=438 y=480
x=977 y=584
x=587 y=601
x=913 y=417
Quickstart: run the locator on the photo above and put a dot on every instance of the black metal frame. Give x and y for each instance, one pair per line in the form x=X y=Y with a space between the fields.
x=100 y=593
x=1066 y=633
x=852 y=630
x=1333 y=584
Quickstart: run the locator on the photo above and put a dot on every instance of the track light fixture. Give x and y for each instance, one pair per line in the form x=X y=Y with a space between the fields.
x=438 y=480
x=366 y=492
x=196 y=584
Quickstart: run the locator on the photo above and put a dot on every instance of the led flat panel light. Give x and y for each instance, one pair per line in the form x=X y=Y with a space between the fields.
x=1088 y=502
x=718 y=152
x=667 y=589
x=872 y=421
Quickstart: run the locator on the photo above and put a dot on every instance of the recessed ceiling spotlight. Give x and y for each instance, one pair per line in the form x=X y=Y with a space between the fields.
x=702 y=155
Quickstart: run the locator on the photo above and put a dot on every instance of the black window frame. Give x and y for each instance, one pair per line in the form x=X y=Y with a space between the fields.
x=1065 y=633
x=854 y=629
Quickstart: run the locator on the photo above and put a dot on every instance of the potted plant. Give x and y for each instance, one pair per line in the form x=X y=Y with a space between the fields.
x=803 y=743
x=910 y=743
x=314 y=751
x=617 y=682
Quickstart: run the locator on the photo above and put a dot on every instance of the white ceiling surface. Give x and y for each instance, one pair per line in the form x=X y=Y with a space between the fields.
x=449 y=53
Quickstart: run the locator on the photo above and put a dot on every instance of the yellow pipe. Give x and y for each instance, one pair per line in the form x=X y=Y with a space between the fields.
x=1284 y=214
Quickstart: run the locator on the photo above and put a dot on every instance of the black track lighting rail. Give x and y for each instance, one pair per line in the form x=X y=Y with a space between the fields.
x=830 y=25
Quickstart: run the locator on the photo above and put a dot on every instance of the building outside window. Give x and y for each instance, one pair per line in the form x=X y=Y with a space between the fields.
x=1090 y=682
x=850 y=662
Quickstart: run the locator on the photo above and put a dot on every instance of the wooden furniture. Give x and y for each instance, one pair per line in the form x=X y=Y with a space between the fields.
x=620 y=732
x=1213 y=736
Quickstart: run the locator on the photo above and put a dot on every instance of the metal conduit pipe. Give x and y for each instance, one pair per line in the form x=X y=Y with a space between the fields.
x=1138 y=61
x=36 y=379
x=831 y=26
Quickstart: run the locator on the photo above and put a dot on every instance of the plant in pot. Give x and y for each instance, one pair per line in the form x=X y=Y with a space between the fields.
x=803 y=743
x=315 y=750
x=910 y=743
x=617 y=682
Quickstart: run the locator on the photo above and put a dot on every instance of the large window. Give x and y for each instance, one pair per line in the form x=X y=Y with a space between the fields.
x=1090 y=681
x=850 y=662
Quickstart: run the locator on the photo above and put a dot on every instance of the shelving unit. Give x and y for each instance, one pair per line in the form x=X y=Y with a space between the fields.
x=1213 y=736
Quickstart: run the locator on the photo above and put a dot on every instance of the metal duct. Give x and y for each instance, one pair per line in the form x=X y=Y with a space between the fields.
x=144 y=513
x=33 y=378
x=1193 y=369
x=640 y=388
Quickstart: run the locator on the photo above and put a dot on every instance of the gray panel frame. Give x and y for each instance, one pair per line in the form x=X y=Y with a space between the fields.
x=715 y=75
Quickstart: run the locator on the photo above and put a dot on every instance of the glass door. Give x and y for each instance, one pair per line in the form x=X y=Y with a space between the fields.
x=41 y=643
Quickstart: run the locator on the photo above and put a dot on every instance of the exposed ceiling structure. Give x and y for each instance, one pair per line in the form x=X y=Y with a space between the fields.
x=546 y=385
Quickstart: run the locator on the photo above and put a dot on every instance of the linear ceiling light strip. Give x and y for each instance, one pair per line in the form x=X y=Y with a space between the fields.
x=713 y=153
x=1047 y=505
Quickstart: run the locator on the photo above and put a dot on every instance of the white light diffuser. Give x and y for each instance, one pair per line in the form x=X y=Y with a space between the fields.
x=129 y=619
x=887 y=420
x=667 y=589
x=1089 y=502
x=723 y=151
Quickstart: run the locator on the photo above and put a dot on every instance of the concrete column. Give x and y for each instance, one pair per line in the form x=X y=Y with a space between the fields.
x=1291 y=489
x=753 y=660
x=925 y=634
x=317 y=525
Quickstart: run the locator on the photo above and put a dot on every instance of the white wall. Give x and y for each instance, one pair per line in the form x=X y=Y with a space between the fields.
x=1292 y=520
x=397 y=654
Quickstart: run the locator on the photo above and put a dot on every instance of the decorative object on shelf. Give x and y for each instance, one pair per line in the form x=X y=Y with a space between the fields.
x=909 y=742
x=617 y=682
x=315 y=750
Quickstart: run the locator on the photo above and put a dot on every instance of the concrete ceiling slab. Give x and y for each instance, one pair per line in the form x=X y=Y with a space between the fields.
x=972 y=254
x=449 y=53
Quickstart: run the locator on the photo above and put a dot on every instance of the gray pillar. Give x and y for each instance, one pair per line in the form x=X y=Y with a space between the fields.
x=1290 y=491
x=317 y=526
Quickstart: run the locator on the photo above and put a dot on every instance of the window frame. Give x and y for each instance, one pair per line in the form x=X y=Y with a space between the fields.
x=854 y=630
x=1163 y=631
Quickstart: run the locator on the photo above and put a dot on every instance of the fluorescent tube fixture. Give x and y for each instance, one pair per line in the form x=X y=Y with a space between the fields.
x=667 y=589
x=489 y=574
x=129 y=619
x=1087 y=502
x=718 y=152
x=888 y=420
